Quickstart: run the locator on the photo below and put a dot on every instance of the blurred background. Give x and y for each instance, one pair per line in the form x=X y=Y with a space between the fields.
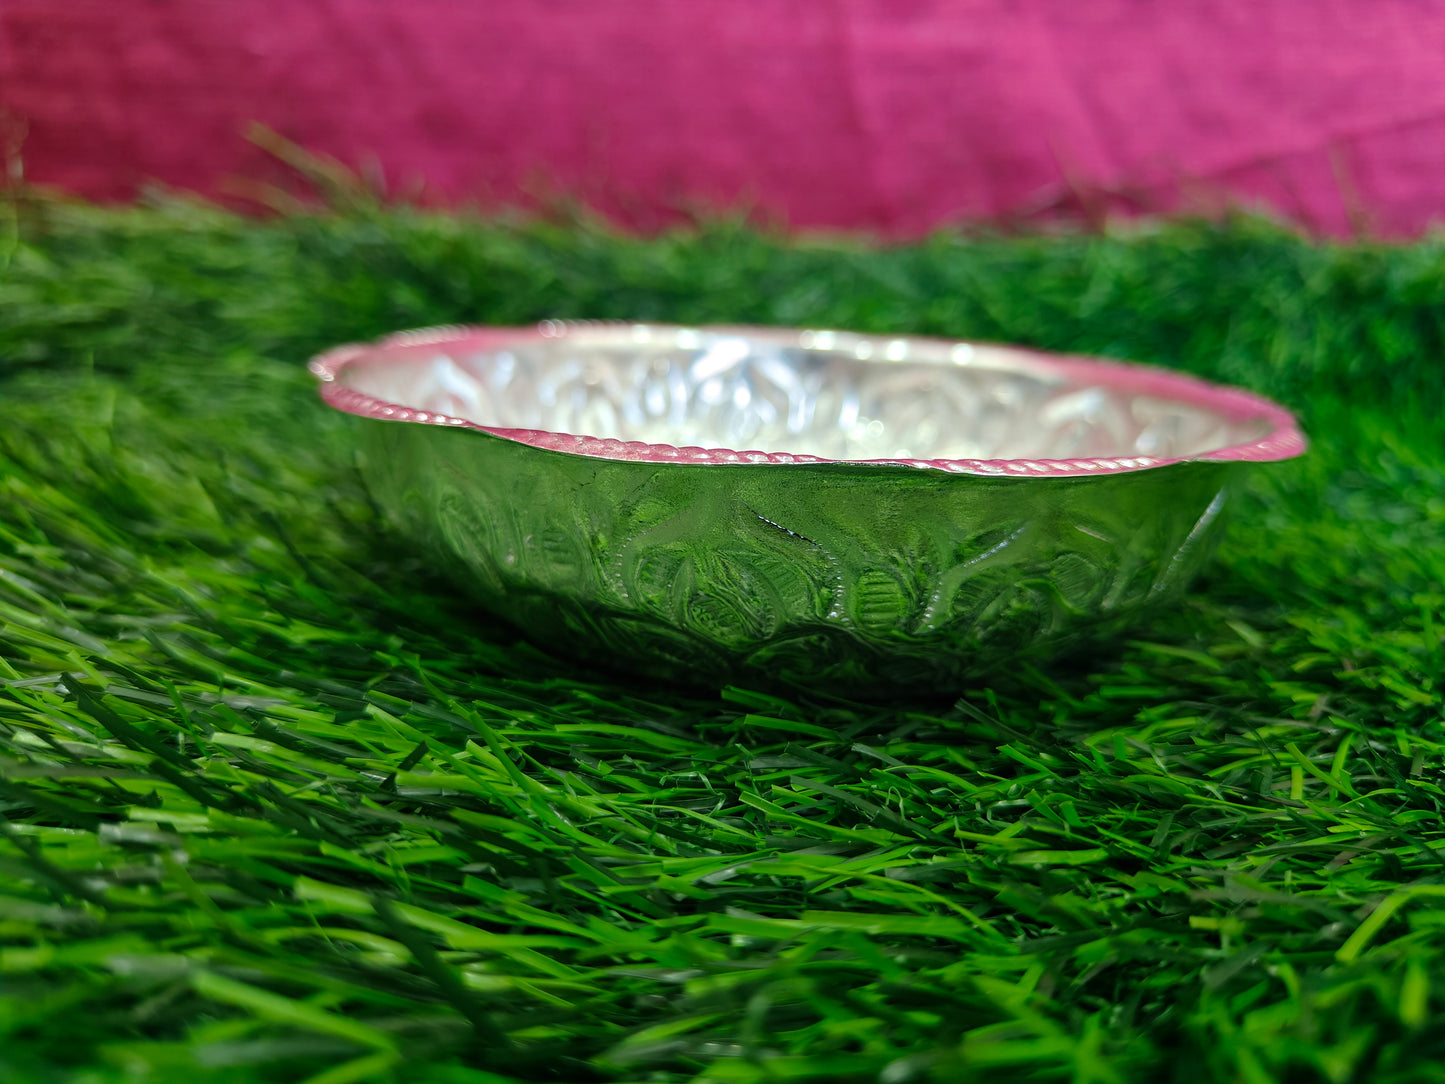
x=879 y=115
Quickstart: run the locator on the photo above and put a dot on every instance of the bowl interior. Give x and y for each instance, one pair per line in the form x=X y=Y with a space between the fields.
x=826 y=394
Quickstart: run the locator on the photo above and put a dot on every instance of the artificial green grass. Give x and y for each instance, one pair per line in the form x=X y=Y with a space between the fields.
x=278 y=807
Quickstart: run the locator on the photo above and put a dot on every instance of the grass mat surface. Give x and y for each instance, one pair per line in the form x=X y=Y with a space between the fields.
x=275 y=806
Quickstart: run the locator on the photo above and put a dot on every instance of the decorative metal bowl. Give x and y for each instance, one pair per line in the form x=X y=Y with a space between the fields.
x=902 y=513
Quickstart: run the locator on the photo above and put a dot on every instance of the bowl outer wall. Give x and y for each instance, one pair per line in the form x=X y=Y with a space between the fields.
x=865 y=579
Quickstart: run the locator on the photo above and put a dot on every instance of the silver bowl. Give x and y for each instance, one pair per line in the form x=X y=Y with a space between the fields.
x=849 y=512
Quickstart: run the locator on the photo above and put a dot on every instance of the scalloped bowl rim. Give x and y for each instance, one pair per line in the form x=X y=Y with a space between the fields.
x=1283 y=440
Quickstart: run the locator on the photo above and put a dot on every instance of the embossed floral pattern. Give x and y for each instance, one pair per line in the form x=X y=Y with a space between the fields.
x=864 y=577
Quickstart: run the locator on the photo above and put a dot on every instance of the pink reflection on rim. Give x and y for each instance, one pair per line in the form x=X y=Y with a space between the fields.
x=1284 y=440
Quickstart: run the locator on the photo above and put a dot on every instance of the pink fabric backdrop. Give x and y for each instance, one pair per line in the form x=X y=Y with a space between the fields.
x=890 y=115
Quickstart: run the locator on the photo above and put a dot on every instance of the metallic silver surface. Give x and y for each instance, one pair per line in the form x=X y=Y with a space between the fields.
x=818 y=394
x=830 y=555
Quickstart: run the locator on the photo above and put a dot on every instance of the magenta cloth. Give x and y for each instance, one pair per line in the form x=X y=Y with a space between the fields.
x=887 y=115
